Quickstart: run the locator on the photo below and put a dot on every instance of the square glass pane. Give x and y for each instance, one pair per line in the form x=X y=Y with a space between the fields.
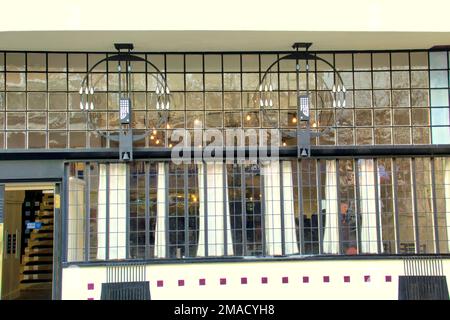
x=57 y=140
x=440 y=116
x=16 y=100
x=194 y=119
x=400 y=60
x=37 y=120
x=2 y=81
x=363 y=117
x=213 y=101
x=400 y=98
x=250 y=82
x=15 y=140
x=381 y=98
x=57 y=120
x=420 y=116
x=438 y=60
x=362 y=61
x=419 y=60
x=77 y=139
x=270 y=119
x=57 y=62
x=77 y=62
x=213 y=82
x=77 y=121
x=382 y=80
x=419 y=79
x=363 y=99
x=94 y=58
x=57 y=81
x=15 y=121
x=194 y=82
x=343 y=61
x=231 y=62
x=232 y=82
x=421 y=135
x=213 y=63
x=383 y=135
x=363 y=80
x=419 y=98
x=75 y=80
x=233 y=119
x=36 y=140
x=382 y=117
x=439 y=97
x=58 y=101
x=438 y=79
x=15 y=81
x=175 y=63
x=381 y=61
x=250 y=62
x=402 y=135
x=36 y=62
x=15 y=62
x=400 y=79
x=402 y=117
x=194 y=101
x=194 y=63
x=36 y=82
x=232 y=100
x=2 y=101
x=364 y=136
x=214 y=119
x=345 y=136
x=175 y=81
x=98 y=81
x=2 y=61
x=138 y=101
x=37 y=101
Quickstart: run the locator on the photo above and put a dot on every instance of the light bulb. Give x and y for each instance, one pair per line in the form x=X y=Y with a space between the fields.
x=266 y=103
x=92 y=90
x=81 y=90
x=152 y=137
x=334 y=88
x=87 y=106
x=294 y=120
x=81 y=105
x=339 y=103
x=157 y=90
x=265 y=88
x=170 y=145
x=271 y=103
x=261 y=103
x=334 y=103
x=343 y=104
x=86 y=90
x=260 y=87
x=168 y=126
x=284 y=144
x=167 y=90
x=154 y=132
x=248 y=117
x=157 y=141
x=270 y=88
x=157 y=105
x=92 y=105
x=167 y=105
x=343 y=89
x=339 y=88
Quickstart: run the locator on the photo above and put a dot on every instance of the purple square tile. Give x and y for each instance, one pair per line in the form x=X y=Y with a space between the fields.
x=346 y=278
x=223 y=281
x=90 y=286
x=202 y=282
x=181 y=283
x=305 y=279
x=244 y=280
x=366 y=278
x=264 y=280
x=388 y=279
x=160 y=283
x=326 y=279
x=285 y=280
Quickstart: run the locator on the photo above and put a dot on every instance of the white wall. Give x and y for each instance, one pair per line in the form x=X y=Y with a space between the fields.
x=76 y=280
x=281 y=15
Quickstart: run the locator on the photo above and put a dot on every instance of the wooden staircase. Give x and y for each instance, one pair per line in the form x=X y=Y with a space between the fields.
x=37 y=262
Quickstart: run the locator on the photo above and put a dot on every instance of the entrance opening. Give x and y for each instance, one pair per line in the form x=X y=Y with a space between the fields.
x=27 y=259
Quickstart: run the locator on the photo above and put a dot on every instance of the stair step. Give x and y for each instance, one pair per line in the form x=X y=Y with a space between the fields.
x=38 y=251
x=32 y=272
x=38 y=267
x=33 y=281
x=39 y=276
x=48 y=258
x=44 y=236
x=40 y=243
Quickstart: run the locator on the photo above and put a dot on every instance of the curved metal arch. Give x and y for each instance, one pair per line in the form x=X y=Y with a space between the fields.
x=127 y=57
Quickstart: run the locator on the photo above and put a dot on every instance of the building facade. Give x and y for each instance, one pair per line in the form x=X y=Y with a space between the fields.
x=363 y=211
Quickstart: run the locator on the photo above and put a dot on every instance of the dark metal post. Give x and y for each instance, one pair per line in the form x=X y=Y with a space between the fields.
x=87 y=209
x=377 y=206
x=394 y=194
x=319 y=205
x=205 y=195
x=434 y=204
x=107 y=204
x=414 y=203
x=358 y=203
x=300 y=207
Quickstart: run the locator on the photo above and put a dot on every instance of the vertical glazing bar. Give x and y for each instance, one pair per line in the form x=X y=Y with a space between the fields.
x=414 y=204
x=244 y=211
x=281 y=190
x=147 y=209
x=225 y=208
x=377 y=206
x=205 y=195
x=127 y=216
x=186 y=210
x=434 y=204
x=339 y=213
x=107 y=213
x=319 y=205
x=166 y=214
x=300 y=207
x=65 y=213
x=263 y=211
x=358 y=204
x=87 y=190
x=394 y=195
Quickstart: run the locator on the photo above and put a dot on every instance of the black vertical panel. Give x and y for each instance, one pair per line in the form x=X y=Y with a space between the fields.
x=2 y=201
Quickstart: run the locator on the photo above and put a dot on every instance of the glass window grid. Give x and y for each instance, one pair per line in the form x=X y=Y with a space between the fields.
x=362 y=134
